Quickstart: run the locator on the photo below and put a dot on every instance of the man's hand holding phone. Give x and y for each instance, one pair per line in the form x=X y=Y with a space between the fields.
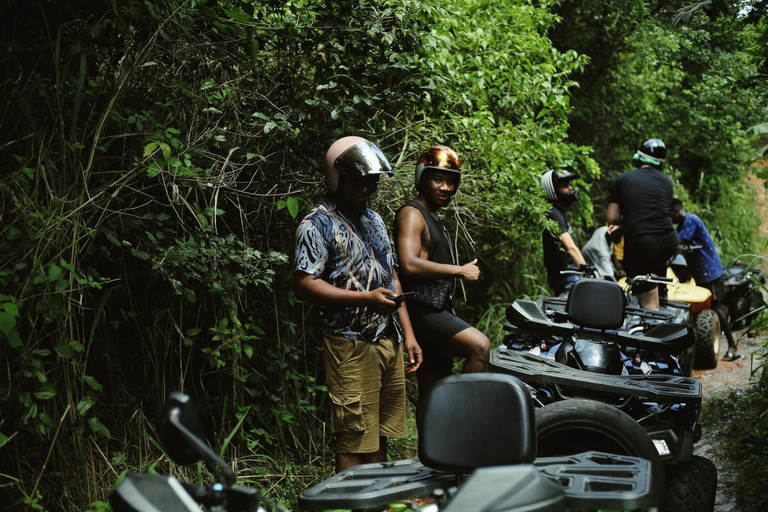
x=401 y=298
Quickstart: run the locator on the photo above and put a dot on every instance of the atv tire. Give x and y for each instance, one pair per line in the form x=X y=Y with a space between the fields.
x=691 y=486
x=707 y=327
x=745 y=308
x=686 y=359
x=576 y=425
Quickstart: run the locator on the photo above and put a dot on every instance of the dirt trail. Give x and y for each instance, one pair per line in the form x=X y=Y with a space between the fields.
x=718 y=383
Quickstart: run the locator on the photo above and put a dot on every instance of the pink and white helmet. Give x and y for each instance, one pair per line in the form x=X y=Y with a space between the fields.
x=355 y=157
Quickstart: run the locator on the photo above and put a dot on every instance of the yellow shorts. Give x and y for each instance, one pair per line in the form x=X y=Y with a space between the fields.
x=366 y=384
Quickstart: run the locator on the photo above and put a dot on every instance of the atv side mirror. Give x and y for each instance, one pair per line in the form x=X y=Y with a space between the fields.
x=180 y=421
x=181 y=434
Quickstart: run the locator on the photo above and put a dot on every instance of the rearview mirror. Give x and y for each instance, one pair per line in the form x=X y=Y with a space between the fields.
x=181 y=433
x=180 y=414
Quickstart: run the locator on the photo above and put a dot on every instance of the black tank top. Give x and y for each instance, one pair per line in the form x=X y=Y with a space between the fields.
x=440 y=248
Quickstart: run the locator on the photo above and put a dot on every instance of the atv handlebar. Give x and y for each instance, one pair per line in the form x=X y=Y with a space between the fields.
x=688 y=249
x=648 y=278
x=584 y=270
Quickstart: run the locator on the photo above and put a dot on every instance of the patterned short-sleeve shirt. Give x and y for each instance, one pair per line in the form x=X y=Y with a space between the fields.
x=352 y=254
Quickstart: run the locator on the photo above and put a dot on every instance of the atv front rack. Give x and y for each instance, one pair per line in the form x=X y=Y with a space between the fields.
x=591 y=480
x=655 y=387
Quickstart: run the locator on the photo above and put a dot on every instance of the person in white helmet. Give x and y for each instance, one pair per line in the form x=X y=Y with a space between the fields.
x=429 y=269
x=344 y=263
x=560 y=250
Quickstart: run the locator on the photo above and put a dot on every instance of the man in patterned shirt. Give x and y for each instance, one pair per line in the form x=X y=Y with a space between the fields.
x=345 y=265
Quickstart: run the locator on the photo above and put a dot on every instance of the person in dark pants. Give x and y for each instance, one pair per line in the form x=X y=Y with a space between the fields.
x=428 y=267
x=705 y=265
x=640 y=202
x=560 y=250
x=344 y=263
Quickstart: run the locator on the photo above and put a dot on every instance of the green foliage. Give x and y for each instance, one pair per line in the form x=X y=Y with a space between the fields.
x=158 y=155
x=499 y=94
x=650 y=77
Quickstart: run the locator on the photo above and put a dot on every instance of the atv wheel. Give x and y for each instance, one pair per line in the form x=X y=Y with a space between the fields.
x=707 y=327
x=691 y=486
x=739 y=313
x=745 y=308
x=686 y=359
x=576 y=425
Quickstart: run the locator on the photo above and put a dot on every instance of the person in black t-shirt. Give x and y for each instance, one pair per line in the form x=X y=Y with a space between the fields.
x=640 y=202
x=428 y=267
x=560 y=251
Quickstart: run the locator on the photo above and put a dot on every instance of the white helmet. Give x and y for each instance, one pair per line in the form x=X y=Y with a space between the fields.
x=551 y=181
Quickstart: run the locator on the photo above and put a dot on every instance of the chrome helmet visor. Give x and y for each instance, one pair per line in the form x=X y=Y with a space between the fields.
x=362 y=159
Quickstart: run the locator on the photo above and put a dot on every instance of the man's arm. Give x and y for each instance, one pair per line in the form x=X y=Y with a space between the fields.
x=412 y=255
x=313 y=289
x=572 y=249
x=614 y=214
x=412 y=348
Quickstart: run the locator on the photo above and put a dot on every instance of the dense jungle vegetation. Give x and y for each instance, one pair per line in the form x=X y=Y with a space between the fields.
x=157 y=155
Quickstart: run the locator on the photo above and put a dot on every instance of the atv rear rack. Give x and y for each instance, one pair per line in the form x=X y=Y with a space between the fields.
x=655 y=387
x=590 y=480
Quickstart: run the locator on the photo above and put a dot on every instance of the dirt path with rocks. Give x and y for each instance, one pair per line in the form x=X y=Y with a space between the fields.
x=718 y=383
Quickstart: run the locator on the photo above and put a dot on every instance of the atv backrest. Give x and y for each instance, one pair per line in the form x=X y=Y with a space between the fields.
x=596 y=304
x=476 y=420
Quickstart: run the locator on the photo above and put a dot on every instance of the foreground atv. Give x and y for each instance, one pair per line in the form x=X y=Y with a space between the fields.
x=465 y=469
x=654 y=416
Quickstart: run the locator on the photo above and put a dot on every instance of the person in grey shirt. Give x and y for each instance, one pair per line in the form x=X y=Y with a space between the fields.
x=598 y=251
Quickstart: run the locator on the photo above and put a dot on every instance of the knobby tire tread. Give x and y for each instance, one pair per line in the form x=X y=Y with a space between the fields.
x=691 y=486
x=707 y=326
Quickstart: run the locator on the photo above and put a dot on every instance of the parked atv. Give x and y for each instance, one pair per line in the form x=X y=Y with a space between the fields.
x=704 y=319
x=463 y=467
x=745 y=293
x=581 y=405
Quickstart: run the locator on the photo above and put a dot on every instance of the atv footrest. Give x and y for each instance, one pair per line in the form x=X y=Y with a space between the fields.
x=655 y=387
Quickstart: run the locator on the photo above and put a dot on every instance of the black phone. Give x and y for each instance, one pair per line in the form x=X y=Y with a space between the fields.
x=400 y=298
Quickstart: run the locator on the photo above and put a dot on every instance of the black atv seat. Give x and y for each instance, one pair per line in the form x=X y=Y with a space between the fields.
x=460 y=411
x=596 y=304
